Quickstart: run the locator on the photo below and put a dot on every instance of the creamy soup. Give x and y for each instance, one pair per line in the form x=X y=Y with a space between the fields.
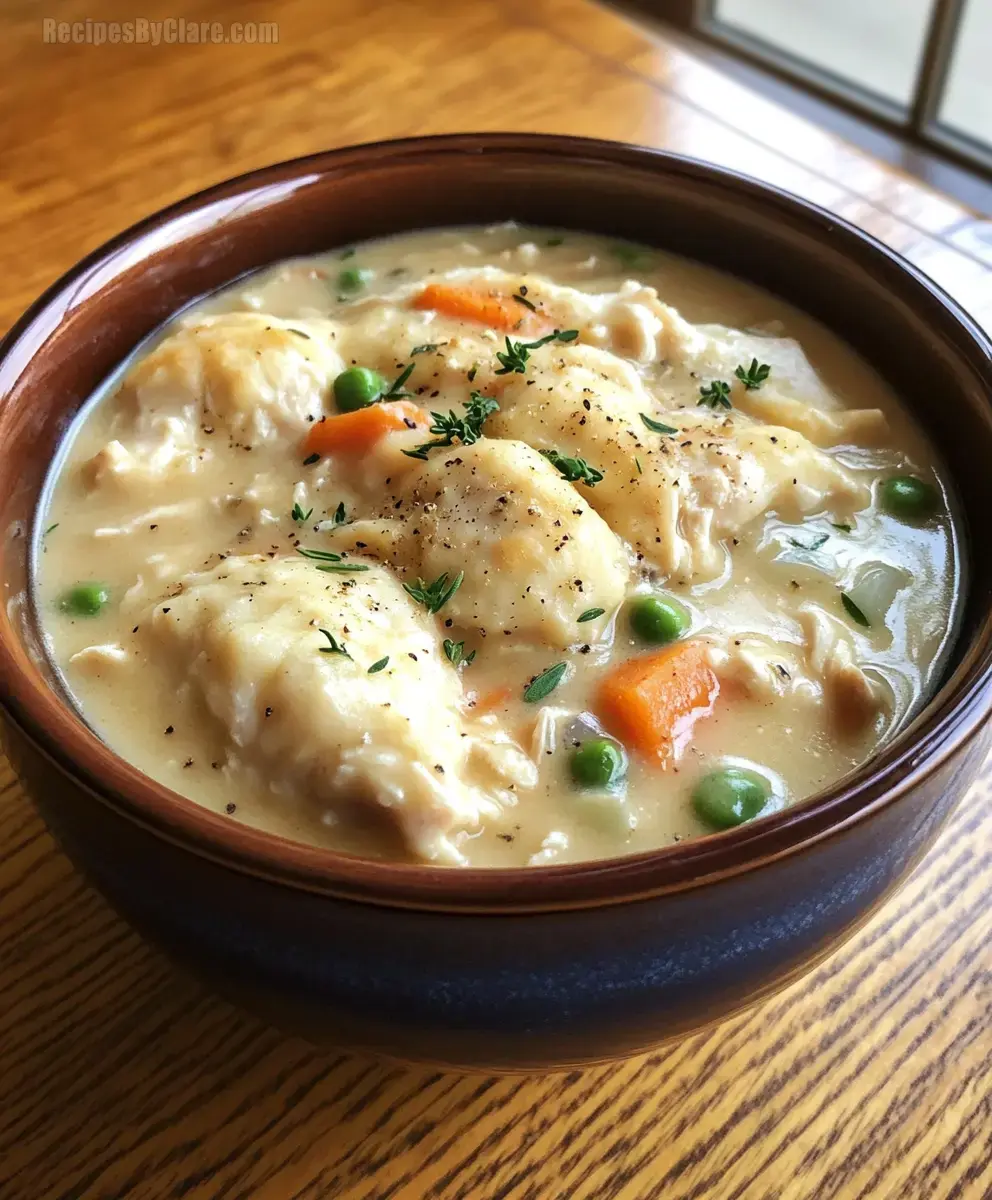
x=496 y=546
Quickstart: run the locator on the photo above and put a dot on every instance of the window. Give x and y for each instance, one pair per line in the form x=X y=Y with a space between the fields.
x=966 y=108
x=921 y=68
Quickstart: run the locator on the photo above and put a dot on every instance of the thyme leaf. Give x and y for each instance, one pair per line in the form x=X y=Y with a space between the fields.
x=657 y=426
x=575 y=470
x=434 y=596
x=333 y=646
x=545 y=683
x=514 y=357
x=715 y=395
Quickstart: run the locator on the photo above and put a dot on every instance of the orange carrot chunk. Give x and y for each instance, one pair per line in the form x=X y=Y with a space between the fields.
x=490 y=308
x=651 y=703
x=357 y=432
x=490 y=701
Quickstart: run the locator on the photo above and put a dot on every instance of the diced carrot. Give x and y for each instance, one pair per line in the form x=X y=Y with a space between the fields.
x=356 y=432
x=651 y=703
x=492 y=308
x=491 y=700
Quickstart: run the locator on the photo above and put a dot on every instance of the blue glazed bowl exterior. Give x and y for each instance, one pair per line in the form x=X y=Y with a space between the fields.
x=514 y=992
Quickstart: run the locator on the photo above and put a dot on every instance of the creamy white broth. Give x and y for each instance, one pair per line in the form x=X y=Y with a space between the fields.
x=159 y=499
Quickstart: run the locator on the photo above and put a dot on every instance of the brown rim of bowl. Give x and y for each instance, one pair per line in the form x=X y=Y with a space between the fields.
x=947 y=723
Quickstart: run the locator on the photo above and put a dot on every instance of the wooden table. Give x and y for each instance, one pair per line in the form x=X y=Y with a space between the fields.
x=120 y=1078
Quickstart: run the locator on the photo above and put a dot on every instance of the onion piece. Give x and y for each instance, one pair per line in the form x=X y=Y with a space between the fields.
x=876 y=587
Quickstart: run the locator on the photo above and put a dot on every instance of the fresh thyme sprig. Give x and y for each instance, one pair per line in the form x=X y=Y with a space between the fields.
x=753 y=376
x=333 y=646
x=455 y=653
x=434 y=596
x=575 y=470
x=448 y=426
x=715 y=394
x=329 y=561
x=514 y=357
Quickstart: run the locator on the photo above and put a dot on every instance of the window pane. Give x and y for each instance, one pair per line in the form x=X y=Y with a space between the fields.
x=967 y=103
x=874 y=43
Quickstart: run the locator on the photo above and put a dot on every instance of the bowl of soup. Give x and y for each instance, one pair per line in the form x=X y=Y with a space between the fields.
x=499 y=600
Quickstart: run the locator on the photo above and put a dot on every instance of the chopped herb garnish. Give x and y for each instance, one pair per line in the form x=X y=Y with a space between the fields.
x=815 y=544
x=545 y=683
x=521 y=298
x=378 y=665
x=311 y=459
x=448 y=426
x=753 y=376
x=50 y=528
x=455 y=653
x=629 y=255
x=842 y=527
x=555 y=241
x=426 y=348
x=299 y=515
x=434 y=596
x=333 y=646
x=300 y=333
x=591 y=614
x=395 y=390
x=339 y=517
x=516 y=354
x=637 y=464
x=473 y=371
x=575 y=470
x=853 y=611
x=657 y=426
x=715 y=394
x=328 y=561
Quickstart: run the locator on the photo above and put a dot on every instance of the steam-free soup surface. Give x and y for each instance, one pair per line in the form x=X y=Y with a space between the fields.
x=666 y=557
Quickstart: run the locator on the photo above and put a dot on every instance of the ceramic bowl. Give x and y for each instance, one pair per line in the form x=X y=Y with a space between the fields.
x=500 y=969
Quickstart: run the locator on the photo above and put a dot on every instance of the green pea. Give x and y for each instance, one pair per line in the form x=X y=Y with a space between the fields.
x=357 y=387
x=353 y=279
x=84 y=600
x=657 y=619
x=908 y=498
x=598 y=763
x=729 y=796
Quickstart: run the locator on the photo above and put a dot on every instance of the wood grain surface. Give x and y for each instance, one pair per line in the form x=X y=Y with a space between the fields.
x=120 y=1078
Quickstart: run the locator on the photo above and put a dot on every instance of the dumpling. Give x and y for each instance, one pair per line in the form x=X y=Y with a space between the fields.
x=636 y=323
x=237 y=381
x=673 y=498
x=384 y=335
x=304 y=712
x=534 y=554
x=631 y=321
